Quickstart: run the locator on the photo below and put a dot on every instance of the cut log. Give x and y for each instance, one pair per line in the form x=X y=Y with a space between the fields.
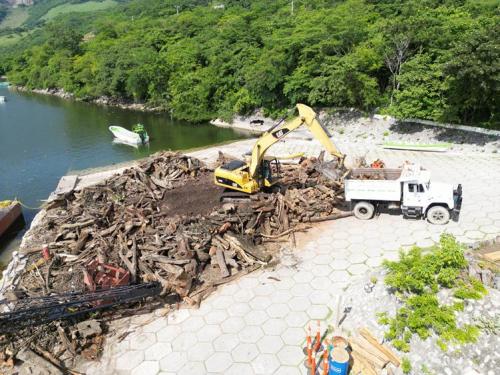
x=393 y=358
x=219 y=255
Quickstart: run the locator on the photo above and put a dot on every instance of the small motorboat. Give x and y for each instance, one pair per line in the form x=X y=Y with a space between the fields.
x=3 y=99
x=10 y=211
x=138 y=135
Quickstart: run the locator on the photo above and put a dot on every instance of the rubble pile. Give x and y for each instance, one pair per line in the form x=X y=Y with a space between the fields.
x=162 y=221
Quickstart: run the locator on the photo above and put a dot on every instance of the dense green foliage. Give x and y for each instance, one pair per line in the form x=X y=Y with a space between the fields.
x=416 y=278
x=433 y=59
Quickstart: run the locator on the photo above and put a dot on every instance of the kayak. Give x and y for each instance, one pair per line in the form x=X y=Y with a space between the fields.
x=128 y=136
x=436 y=147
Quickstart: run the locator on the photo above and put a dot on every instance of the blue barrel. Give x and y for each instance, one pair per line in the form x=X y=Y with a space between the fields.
x=339 y=362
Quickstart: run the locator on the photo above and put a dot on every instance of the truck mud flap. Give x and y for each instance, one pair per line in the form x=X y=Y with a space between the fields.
x=457 y=197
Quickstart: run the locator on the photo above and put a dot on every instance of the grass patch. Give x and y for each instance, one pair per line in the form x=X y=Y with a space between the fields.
x=89 y=6
x=10 y=39
x=416 y=278
x=15 y=18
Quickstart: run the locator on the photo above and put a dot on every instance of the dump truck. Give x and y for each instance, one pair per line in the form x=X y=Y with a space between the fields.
x=408 y=190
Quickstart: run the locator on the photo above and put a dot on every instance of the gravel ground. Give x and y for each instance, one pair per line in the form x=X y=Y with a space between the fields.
x=481 y=357
x=355 y=128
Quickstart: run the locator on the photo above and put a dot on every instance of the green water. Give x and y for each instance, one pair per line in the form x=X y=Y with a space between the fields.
x=43 y=138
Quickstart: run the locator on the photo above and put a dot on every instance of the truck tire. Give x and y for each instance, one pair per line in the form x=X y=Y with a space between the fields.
x=364 y=210
x=438 y=215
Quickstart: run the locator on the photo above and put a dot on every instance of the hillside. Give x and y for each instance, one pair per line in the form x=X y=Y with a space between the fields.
x=22 y=15
x=432 y=59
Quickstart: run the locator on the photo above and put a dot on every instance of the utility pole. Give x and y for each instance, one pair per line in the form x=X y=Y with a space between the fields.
x=292 y=7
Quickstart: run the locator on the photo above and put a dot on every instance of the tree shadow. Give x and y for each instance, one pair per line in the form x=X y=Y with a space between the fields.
x=456 y=136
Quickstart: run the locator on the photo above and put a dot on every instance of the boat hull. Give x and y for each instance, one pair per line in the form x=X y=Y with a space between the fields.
x=8 y=216
x=127 y=136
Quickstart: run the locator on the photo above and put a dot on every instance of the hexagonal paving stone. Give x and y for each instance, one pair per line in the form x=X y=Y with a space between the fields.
x=215 y=317
x=356 y=258
x=155 y=326
x=319 y=297
x=323 y=259
x=339 y=264
x=157 y=351
x=296 y=319
x=193 y=324
x=303 y=277
x=192 y=368
x=147 y=367
x=264 y=289
x=278 y=310
x=287 y=370
x=168 y=333
x=245 y=352
x=243 y=295
x=318 y=312
x=490 y=229
x=183 y=342
x=357 y=269
x=374 y=262
x=474 y=234
x=301 y=290
x=209 y=333
x=226 y=342
x=250 y=334
x=240 y=369
x=256 y=317
x=290 y=355
x=282 y=296
x=265 y=364
x=260 y=302
x=173 y=362
x=270 y=344
x=218 y=362
x=239 y=309
x=299 y=303
x=425 y=243
x=200 y=351
x=341 y=276
x=178 y=316
x=274 y=326
x=142 y=341
x=129 y=360
x=233 y=324
x=293 y=336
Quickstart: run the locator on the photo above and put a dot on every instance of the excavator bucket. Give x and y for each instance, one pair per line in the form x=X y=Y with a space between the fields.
x=329 y=169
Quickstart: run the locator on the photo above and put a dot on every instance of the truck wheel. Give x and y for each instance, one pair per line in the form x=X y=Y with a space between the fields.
x=438 y=215
x=364 y=210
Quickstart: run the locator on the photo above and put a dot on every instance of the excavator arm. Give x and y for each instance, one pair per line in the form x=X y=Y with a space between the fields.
x=306 y=116
x=249 y=178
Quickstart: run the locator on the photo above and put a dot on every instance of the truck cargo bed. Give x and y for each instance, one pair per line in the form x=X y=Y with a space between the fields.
x=370 y=184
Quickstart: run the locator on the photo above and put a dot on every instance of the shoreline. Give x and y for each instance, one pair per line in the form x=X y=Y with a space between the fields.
x=102 y=100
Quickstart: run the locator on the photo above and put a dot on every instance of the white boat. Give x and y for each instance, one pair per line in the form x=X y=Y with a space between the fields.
x=137 y=137
x=3 y=99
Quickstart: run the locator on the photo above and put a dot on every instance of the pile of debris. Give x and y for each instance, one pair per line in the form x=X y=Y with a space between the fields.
x=162 y=221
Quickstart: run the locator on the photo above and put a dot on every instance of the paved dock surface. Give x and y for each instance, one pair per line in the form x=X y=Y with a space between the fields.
x=256 y=324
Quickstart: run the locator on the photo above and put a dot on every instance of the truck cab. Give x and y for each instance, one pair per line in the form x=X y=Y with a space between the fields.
x=409 y=190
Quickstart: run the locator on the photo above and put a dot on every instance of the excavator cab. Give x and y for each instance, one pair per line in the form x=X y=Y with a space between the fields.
x=270 y=171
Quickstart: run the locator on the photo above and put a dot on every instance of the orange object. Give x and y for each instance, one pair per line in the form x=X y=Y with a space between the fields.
x=325 y=358
x=309 y=347
x=46 y=252
x=378 y=164
x=317 y=344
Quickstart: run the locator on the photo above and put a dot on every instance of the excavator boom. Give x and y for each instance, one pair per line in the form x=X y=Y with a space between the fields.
x=248 y=178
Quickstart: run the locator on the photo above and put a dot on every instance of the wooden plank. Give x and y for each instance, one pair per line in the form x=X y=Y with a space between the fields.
x=492 y=257
x=219 y=257
x=367 y=368
x=357 y=347
x=393 y=358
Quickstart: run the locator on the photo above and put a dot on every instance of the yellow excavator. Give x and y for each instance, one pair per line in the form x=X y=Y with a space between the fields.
x=249 y=178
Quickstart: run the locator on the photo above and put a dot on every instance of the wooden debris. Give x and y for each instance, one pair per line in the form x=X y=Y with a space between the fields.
x=140 y=221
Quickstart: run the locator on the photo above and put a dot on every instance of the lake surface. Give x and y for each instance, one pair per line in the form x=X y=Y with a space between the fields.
x=43 y=138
